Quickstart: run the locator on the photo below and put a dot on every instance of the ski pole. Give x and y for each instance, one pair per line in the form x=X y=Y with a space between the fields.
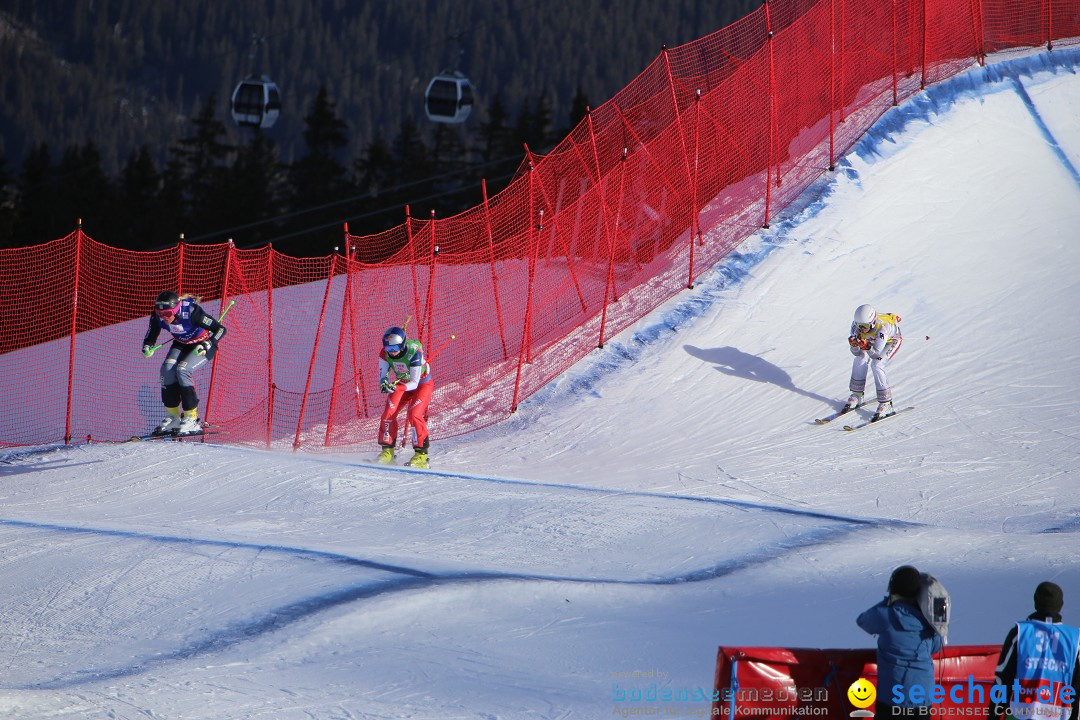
x=226 y=310
x=405 y=434
x=223 y=314
x=445 y=343
x=201 y=348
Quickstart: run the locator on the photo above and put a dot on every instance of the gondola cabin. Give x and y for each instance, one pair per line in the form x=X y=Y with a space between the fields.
x=448 y=98
x=256 y=102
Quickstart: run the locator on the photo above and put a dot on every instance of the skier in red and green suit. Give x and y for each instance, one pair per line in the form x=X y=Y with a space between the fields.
x=405 y=376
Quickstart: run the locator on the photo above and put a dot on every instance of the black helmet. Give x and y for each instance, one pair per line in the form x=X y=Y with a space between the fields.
x=393 y=341
x=905 y=582
x=166 y=300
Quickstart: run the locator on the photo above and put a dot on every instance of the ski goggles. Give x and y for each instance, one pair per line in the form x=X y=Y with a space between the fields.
x=166 y=312
x=393 y=343
x=864 y=327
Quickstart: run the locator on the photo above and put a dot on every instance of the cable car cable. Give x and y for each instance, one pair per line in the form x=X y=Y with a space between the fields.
x=360 y=196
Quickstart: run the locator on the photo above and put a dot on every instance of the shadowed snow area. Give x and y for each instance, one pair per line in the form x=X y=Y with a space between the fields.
x=669 y=494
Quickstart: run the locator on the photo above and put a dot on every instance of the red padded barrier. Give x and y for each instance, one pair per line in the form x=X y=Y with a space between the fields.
x=774 y=683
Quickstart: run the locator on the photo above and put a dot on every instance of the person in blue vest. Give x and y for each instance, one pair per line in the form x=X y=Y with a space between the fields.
x=405 y=377
x=905 y=644
x=1040 y=654
x=195 y=338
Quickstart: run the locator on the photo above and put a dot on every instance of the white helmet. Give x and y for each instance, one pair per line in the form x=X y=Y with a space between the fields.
x=865 y=315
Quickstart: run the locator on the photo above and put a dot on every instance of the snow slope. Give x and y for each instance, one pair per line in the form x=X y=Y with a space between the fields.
x=668 y=495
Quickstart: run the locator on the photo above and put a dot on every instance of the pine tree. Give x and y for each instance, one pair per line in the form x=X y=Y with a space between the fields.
x=502 y=150
x=85 y=192
x=494 y=134
x=453 y=175
x=140 y=184
x=579 y=108
x=8 y=198
x=173 y=218
x=319 y=177
x=203 y=158
x=523 y=128
x=375 y=168
x=36 y=220
x=376 y=174
x=538 y=128
x=411 y=155
x=253 y=188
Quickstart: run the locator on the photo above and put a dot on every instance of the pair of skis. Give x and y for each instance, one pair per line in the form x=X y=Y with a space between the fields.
x=851 y=428
x=205 y=430
x=395 y=466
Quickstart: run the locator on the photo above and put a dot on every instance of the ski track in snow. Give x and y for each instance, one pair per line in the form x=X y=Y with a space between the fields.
x=826 y=529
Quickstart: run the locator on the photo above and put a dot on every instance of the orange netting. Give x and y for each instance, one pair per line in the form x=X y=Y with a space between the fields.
x=651 y=189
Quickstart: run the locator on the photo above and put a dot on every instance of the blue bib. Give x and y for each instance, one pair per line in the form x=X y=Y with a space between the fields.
x=182 y=327
x=1045 y=660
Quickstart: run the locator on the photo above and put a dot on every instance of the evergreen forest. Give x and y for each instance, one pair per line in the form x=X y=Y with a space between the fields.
x=118 y=112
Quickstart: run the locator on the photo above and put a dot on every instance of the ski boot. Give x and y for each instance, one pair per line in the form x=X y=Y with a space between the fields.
x=884 y=410
x=170 y=424
x=190 y=425
x=852 y=402
x=386 y=457
x=419 y=459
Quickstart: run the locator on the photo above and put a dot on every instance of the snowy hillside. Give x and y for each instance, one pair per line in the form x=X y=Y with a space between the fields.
x=668 y=495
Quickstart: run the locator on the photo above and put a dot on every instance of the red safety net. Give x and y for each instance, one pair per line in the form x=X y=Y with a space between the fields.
x=650 y=190
x=773 y=683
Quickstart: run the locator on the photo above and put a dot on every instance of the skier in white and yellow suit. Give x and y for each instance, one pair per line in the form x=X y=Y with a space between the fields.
x=874 y=340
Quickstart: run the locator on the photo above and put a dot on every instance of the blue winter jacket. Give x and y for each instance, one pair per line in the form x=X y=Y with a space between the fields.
x=904 y=646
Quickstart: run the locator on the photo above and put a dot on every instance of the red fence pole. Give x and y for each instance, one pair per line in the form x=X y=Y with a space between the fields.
x=895 y=69
x=976 y=26
x=696 y=222
x=609 y=286
x=269 y=344
x=922 y=82
x=526 y=326
x=608 y=232
x=429 y=301
x=358 y=380
x=74 y=328
x=832 y=85
x=491 y=259
x=345 y=322
x=361 y=390
x=843 y=38
x=690 y=176
x=1049 y=24
x=315 y=351
x=412 y=269
x=224 y=305
x=180 y=265
x=770 y=153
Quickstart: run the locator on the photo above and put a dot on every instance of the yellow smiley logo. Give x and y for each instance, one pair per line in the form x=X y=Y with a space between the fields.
x=862 y=693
